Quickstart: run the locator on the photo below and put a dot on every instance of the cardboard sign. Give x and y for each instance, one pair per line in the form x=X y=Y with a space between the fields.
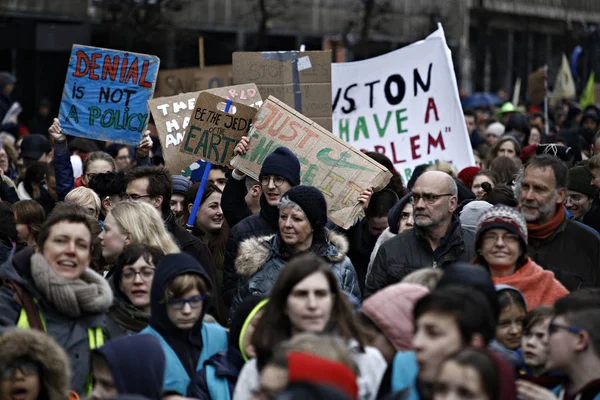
x=172 y=116
x=171 y=82
x=403 y=104
x=214 y=131
x=105 y=94
x=302 y=80
x=338 y=170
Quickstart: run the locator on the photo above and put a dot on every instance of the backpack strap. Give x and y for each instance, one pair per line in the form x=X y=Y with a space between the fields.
x=23 y=298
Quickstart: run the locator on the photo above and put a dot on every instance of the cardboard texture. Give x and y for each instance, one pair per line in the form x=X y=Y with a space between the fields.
x=536 y=90
x=172 y=116
x=337 y=169
x=171 y=82
x=213 y=133
x=307 y=90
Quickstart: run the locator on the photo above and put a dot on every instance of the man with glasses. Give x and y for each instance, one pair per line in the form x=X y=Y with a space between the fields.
x=567 y=248
x=580 y=197
x=437 y=238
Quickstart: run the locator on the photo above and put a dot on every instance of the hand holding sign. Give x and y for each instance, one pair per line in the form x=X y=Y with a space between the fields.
x=56 y=132
x=143 y=149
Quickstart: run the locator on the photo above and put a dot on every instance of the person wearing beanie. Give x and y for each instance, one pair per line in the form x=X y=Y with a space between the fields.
x=580 y=197
x=466 y=175
x=302 y=220
x=181 y=185
x=217 y=380
x=501 y=245
x=493 y=132
x=471 y=212
x=180 y=295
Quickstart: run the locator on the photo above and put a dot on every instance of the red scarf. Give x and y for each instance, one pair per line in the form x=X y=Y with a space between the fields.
x=545 y=230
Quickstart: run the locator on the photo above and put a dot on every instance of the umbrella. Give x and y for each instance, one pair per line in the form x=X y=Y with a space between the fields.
x=481 y=99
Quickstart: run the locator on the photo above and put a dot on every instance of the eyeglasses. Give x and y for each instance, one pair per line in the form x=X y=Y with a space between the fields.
x=428 y=198
x=277 y=180
x=507 y=238
x=144 y=273
x=553 y=328
x=27 y=368
x=179 y=304
x=135 y=197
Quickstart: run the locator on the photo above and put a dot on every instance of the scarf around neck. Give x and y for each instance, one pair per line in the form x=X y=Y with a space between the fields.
x=545 y=230
x=89 y=294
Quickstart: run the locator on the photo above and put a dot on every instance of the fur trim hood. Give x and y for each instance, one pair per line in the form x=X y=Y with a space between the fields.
x=40 y=348
x=256 y=251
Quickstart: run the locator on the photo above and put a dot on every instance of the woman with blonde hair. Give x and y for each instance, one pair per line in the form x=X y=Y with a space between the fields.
x=87 y=198
x=130 y=223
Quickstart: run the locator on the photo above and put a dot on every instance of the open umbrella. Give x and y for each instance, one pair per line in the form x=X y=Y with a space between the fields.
x=481 y=99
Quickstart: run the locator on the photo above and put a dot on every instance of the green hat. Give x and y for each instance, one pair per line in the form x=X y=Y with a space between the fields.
x=507 y=108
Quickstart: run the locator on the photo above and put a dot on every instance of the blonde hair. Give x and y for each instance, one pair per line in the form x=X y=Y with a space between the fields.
x=428 y=277
x=183 y=284
x=84 y=196
x=444 y=167
x=144 y=225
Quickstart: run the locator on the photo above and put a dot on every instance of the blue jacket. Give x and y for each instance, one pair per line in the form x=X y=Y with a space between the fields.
x=216 y=381
x=405 y=371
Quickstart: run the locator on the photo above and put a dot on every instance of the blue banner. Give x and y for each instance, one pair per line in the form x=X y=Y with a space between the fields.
x=106 y=93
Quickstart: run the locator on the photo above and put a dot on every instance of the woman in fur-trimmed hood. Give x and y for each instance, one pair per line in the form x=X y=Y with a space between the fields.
x=29 y=349
x=302 y=220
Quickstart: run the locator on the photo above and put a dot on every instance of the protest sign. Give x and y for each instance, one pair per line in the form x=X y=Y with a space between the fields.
x=215 y=128
x=172 y=116
x=403 y=104
x=105 y=94
x=172 y=82
x=337 y=169
x=302 y=80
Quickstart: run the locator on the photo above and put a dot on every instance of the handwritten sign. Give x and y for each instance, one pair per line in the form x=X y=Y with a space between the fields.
x=337 y=169
x=172 y=116
x=215 y=130
x=302 y=80
x=105 y=94
x=172 y=82
x=403 y=104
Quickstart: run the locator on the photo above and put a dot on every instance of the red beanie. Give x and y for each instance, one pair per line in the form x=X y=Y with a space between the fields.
x=305 y=367
x=467 y=175
x=527 y=153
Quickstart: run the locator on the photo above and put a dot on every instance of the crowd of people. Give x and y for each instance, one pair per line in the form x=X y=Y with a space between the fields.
x=482 y=283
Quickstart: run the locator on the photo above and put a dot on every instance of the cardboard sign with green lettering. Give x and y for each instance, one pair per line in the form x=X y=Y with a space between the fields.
x=215 y=130
x=338 y=170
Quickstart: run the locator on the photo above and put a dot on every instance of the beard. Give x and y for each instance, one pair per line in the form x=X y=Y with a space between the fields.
x=537 y=212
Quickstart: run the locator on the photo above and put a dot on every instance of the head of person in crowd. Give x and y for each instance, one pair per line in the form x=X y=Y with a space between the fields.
x=253 y=193
x=130 y=223
x=279 y=172
x=501 y=194
x=466 y=175
x=505 y=146
x=128 y=365
x=535 y=136
x=387 y=318
x=8 y=232
x=471 y=212
x=39 y=184
x=518 y=125
x=305 y=298
x=426 y=277
x=400 y=217
x=537 y=120
x=110 y=187
x=8 y=159
x=120 y=153
x=35 y=147
x=29 y=216
x=506 y=169
x=395 y=184
x=181 y=185
x=543 y=188
x=580 y=192
x=478 y=159
x=513 y=310
x=470 y=120
x=7 y=82
x=378 y=210
x=86 y=198
x=444 y=167
x=494 y=131
x=218 y=176
x=475 y=374
x=209 y=218
x=33 y=366
x=594 y=167
x=151 y=185
x=96 y=163
x=590 y=120
x=447 y=320
x=435 y=198
x=481 y=177
x=243 y=323
x=595 y=145
x=534 y=342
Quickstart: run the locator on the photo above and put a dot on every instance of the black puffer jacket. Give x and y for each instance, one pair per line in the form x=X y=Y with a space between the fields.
x=411 y=250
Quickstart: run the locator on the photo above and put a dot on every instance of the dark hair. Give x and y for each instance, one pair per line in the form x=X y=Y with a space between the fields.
x=505 y=168
x=159 y=183
x=469 y=113
x=537 y=316
x=518 y=123
x=509 y=297
x=537 y=115
x=470 y=308
x=500 y=194
x=490 y=174
x=575 y=301
x=561 y=172
x=587 y=319
x=226 y=170
x=34 y=177
x=485 y=366
x=114 y=149
x=30 y=213
x=108 y=184
x=275 y=326
x=58 y=216
x=381 y=203
x=493 y=153
x=131 y=254
x=98 y=156
x=395 y=184
x=250 y=183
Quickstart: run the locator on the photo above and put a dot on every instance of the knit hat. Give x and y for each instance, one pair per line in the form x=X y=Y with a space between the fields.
x=181 y=184
x=467 y=175
x=312 y=202
x=579 y=181
x=495 y=128
x=502 y=217
x=282 y=162
x=528 y=152
x=472 y=211
x=34 y=146
x=396 y=212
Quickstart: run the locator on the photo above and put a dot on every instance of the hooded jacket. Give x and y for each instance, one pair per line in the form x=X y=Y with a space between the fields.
x=137 y=365
x=185 y=350
x=42 y=349
x=260 y=260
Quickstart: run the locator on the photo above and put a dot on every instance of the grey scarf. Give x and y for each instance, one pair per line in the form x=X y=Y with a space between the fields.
x=89 y=294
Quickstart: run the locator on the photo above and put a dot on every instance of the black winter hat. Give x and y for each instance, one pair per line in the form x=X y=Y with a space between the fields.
x=396 y=212
x=312 y=202
x=580 y=179
x=282 y=162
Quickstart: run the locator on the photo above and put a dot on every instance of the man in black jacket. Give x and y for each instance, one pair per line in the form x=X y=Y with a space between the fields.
x=437 y=238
